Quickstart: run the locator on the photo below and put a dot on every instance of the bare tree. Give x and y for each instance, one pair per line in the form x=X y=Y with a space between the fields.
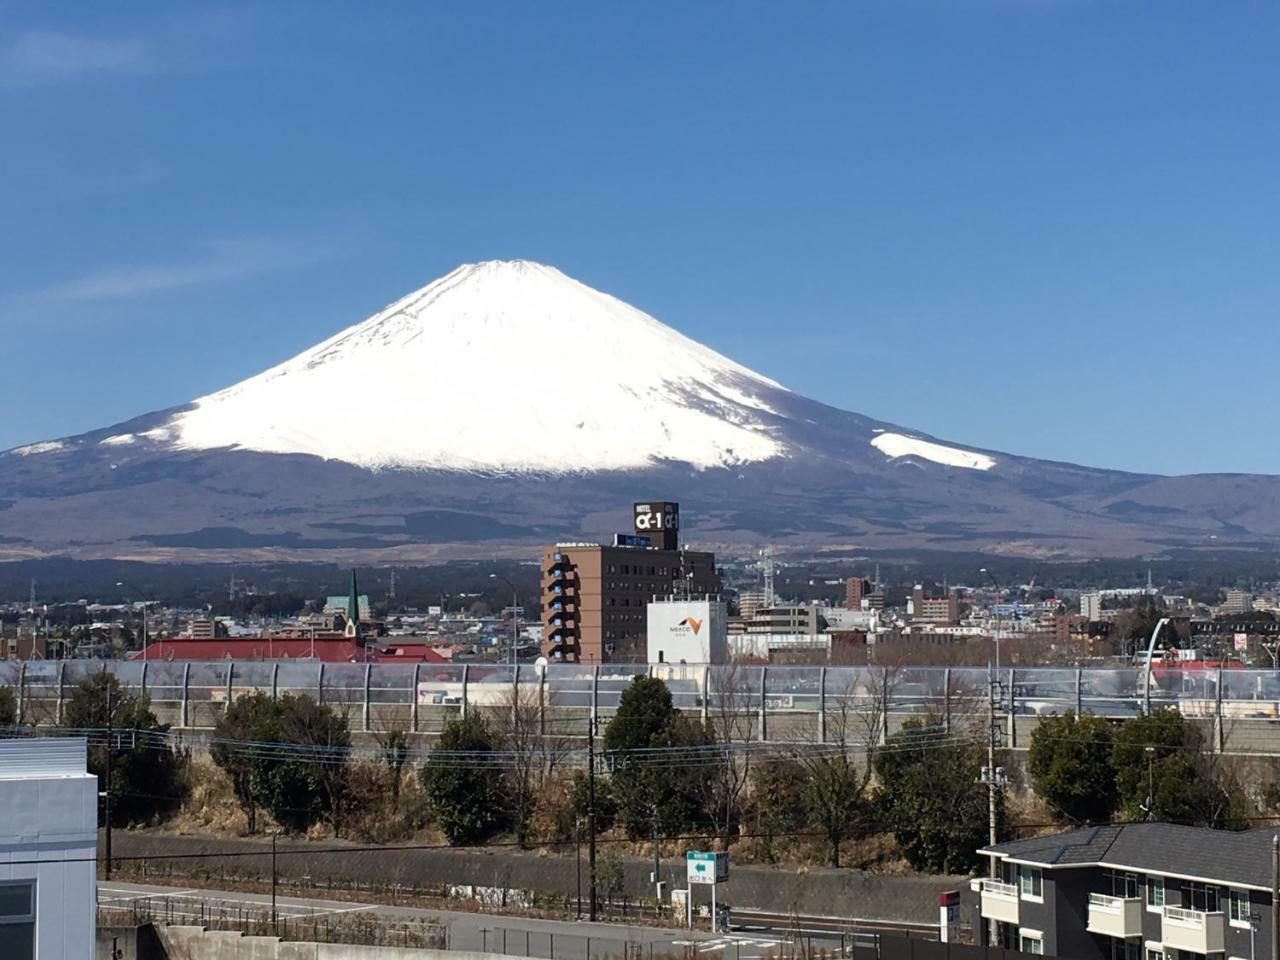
x=539 y=747
x=729 y=721
x=838 y=771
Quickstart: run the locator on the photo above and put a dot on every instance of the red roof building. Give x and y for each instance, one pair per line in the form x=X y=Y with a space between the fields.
x=328 y=650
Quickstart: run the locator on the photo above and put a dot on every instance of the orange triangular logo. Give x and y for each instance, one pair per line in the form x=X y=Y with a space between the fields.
x=693 y=622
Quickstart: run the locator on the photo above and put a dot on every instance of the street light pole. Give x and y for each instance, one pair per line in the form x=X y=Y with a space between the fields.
x=995 y=612
x=515 y=621
x=142 y=597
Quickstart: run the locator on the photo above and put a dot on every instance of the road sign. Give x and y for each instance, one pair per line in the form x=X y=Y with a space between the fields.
x=707 y=867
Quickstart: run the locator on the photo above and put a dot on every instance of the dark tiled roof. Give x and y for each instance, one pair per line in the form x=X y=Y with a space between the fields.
x=1220 y=855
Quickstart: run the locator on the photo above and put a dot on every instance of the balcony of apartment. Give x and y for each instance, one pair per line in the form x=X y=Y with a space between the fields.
x=1115 y=916
x=1192 y=930
x=999 y=899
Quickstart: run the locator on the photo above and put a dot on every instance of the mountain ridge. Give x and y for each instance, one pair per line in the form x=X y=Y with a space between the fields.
x=505 y=401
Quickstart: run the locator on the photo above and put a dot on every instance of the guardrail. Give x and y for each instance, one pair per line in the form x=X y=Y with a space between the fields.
x=748 y=702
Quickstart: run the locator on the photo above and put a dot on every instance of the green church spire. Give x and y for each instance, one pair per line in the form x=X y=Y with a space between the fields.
x=353 y=602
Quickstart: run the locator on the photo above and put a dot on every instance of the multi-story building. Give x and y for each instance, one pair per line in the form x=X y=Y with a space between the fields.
x=1091 y=605
x=1238 y=601
x=1133 y=891
x=790 y=619
x=926 y=609
x=595 y=597
x=855 y=588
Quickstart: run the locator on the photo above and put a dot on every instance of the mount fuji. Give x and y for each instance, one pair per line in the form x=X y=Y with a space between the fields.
x=506 y=404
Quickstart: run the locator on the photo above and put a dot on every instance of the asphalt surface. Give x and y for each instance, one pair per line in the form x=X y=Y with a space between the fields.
x=485 y=932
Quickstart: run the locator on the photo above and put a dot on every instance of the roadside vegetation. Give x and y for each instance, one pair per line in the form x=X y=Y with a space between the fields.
x=513 y=773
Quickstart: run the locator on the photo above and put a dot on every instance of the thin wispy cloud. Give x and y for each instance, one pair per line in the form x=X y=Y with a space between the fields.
x=221 y=260
x=50 y=56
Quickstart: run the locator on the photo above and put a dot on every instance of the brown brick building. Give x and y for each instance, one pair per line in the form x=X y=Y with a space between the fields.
x=595 y=597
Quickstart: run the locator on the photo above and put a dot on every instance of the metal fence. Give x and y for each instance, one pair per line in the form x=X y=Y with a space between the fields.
x=1240 y=709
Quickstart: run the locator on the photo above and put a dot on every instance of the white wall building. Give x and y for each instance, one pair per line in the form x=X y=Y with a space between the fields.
x=48 y=850
x=1091 y=605
x=688 y=631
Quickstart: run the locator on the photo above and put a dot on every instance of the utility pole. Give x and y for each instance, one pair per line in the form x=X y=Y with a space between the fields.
x=275 y=919
x=657 y=863
x=577 y=836
x=515 y=616
x=993 y=777
x=107 y=793
x=1275 y=897
x=591 y=818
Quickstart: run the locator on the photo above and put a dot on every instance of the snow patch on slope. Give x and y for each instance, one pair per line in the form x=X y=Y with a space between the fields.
x=894 y=445
x=47 y=446
x=499 y=366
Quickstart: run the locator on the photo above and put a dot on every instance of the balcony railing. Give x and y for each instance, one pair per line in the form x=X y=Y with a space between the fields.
x=1115 y=916
x=999 y=900
x=1197 y=931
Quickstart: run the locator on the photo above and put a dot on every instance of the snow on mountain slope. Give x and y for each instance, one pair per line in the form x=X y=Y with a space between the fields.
x=498 y=366
x=894 y=445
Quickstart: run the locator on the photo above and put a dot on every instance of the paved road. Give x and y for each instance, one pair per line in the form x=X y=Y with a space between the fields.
x=496 y=933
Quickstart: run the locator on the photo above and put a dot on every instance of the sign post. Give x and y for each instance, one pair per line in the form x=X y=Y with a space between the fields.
x=949 y=916
x=705 y=867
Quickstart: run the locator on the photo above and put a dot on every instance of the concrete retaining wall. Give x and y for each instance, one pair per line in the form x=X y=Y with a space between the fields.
x=815 y=892
x=132 y=943
x=196 y=943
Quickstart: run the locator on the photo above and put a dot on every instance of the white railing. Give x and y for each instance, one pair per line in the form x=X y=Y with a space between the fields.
x=1101 y=901
x=998 y=888
x=1196 y=931
x=1192 y=918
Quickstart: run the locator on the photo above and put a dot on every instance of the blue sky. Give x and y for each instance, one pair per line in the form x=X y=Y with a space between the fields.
x=1048 y=227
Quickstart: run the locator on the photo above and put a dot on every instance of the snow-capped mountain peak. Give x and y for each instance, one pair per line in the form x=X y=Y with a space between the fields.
x=506 y=366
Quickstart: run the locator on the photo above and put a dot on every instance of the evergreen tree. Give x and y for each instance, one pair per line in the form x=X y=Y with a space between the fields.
x=657 y=768
x=1163 y=755
x=1070 y=764
x=147 y=776
x=930 y=797
x=463 y=786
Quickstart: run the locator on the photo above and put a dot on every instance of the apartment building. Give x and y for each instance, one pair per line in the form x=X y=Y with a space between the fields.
x=1091 y=605
x=1237 y=602
x=1134 y=891
x=926 y=609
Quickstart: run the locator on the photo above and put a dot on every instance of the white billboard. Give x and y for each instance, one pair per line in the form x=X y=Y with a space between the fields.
x=688 y=631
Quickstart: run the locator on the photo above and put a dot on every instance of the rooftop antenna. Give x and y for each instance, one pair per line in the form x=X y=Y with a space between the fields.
x=877 y=578
x=391 y=591
x=33 y=596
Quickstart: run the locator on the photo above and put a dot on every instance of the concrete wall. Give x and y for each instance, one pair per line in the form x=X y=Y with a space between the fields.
x=132 y=943
x=813 y=892
x=196 y=943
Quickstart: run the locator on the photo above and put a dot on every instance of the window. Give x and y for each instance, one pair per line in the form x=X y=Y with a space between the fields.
x=1123 y=884
x=1152 y=953
x=18 y=920
x=1238 y=906
x=1030 y=882
x=1130 y=949
x=1155 y=893
x=1201 y=896
x=1030 y=941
